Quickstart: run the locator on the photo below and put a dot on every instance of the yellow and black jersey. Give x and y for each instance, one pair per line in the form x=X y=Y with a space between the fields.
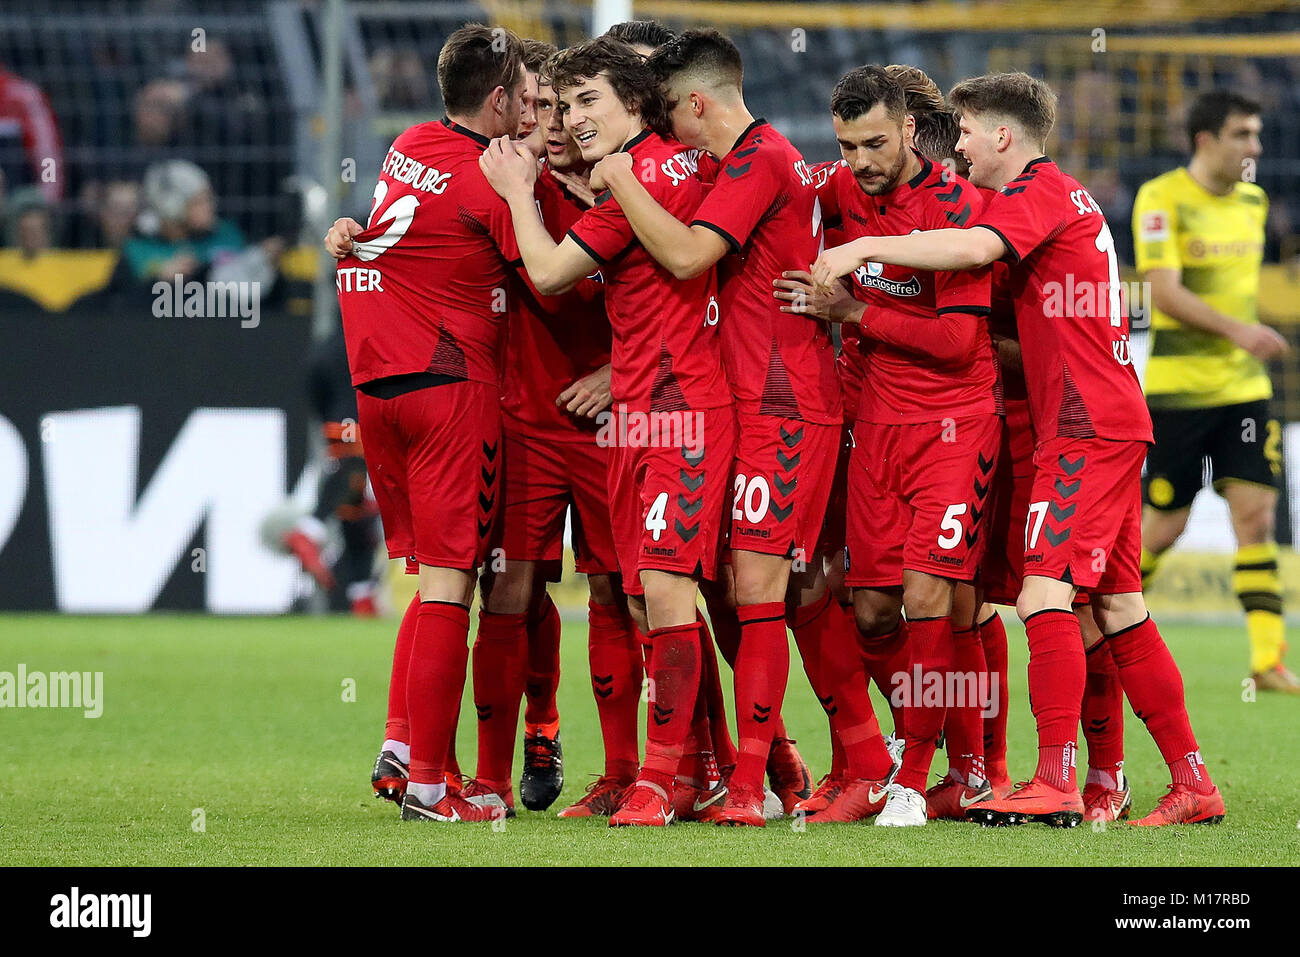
x=1217 y=242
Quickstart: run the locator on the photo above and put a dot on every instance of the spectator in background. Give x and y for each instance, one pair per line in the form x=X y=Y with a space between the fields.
x=116 y=213
x=31 y=149
x=158 y=113
x=400 y=79
x=29 y=222
x=179 y=230
x=179 y=234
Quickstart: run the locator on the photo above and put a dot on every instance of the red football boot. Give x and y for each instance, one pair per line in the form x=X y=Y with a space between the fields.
x=1101 y=803
x=950 y=799
x=858 y=800
x=451 y=808
x=828 y=789
x=601 y=800
x=1034 y=800
x=788 y=774
x=696 y=800
x=646 y=805
x=743 y=808
x=1182 y=805
x=484 y=795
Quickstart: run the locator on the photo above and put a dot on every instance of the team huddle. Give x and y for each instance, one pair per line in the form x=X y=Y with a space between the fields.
x=823 y=396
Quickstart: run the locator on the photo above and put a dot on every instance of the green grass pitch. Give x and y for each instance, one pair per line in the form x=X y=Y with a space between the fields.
x=246 y=720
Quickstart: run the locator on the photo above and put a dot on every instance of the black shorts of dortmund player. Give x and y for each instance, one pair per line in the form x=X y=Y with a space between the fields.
x=1241 y=442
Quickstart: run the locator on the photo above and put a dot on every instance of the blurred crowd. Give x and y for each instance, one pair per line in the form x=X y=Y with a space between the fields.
x=189 y=180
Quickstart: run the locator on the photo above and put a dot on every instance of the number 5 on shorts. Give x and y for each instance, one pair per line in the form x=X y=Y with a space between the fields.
x=951 y=526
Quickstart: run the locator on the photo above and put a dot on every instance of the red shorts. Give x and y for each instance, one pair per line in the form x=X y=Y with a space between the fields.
x=1084 y=522
x=434 y=456
x=917 y=495
x=1004 y=528
x=545 y=479
x=667 y=501
x=832 y=537
x=783 y=474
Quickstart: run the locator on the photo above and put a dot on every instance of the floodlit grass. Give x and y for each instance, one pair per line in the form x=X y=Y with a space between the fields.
x=241 y=725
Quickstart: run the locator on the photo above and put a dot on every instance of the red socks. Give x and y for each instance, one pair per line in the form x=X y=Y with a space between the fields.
x=826 y=634
x=435 y=682
x=762 y=670
x=543 y=666
x=964 y=723
x=1103 y=714
x=1154 y=688
x=398 y=728
x=675 y=683
x=1057 y=676
x=886 y=656
x=500 y=665
x=930 y=644
x=993 y=638
x=724 y=749
x=616 y=672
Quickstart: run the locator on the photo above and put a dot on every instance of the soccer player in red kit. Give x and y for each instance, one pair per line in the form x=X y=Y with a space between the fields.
x=674 y=431
x=927 y=429
x=762 y=211
x=1091 y=430
x=423 y=303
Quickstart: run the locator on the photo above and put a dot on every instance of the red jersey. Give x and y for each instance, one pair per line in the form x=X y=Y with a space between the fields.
x=850 y=364
x=425 y=287
x=953 y=372
x=764 y=205
x=552 y=340
x=1064 y=279
x=666 y=354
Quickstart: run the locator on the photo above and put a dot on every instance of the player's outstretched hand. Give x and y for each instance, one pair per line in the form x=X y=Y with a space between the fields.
x=508 y=166
x=834 y=263
x=577 y=185
x=1261 y=341
x=833 y=304
x=589 y=396
x=610 y=168
x=338 y=241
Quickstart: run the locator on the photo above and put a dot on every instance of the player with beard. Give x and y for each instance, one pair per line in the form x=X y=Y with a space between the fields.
x=1092 y=432
x=667 y=491
x=762 y=211
x=927 y=427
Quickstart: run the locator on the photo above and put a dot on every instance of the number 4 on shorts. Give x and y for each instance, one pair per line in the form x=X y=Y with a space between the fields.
x=654 y=519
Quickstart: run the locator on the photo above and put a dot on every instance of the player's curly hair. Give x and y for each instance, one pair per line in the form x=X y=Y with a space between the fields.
x=1014 y=96
x=859 y=90
x=633 y=81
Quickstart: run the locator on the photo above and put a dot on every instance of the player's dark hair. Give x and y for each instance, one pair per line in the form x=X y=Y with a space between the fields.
x=936 y=138
x=703 y=52
x=536 y=53
x=473 y=62
x=633 y=82
x=859 y=90
x=1015 y=96
x=920 y=93
x=1211 y=110
x=649 y=33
